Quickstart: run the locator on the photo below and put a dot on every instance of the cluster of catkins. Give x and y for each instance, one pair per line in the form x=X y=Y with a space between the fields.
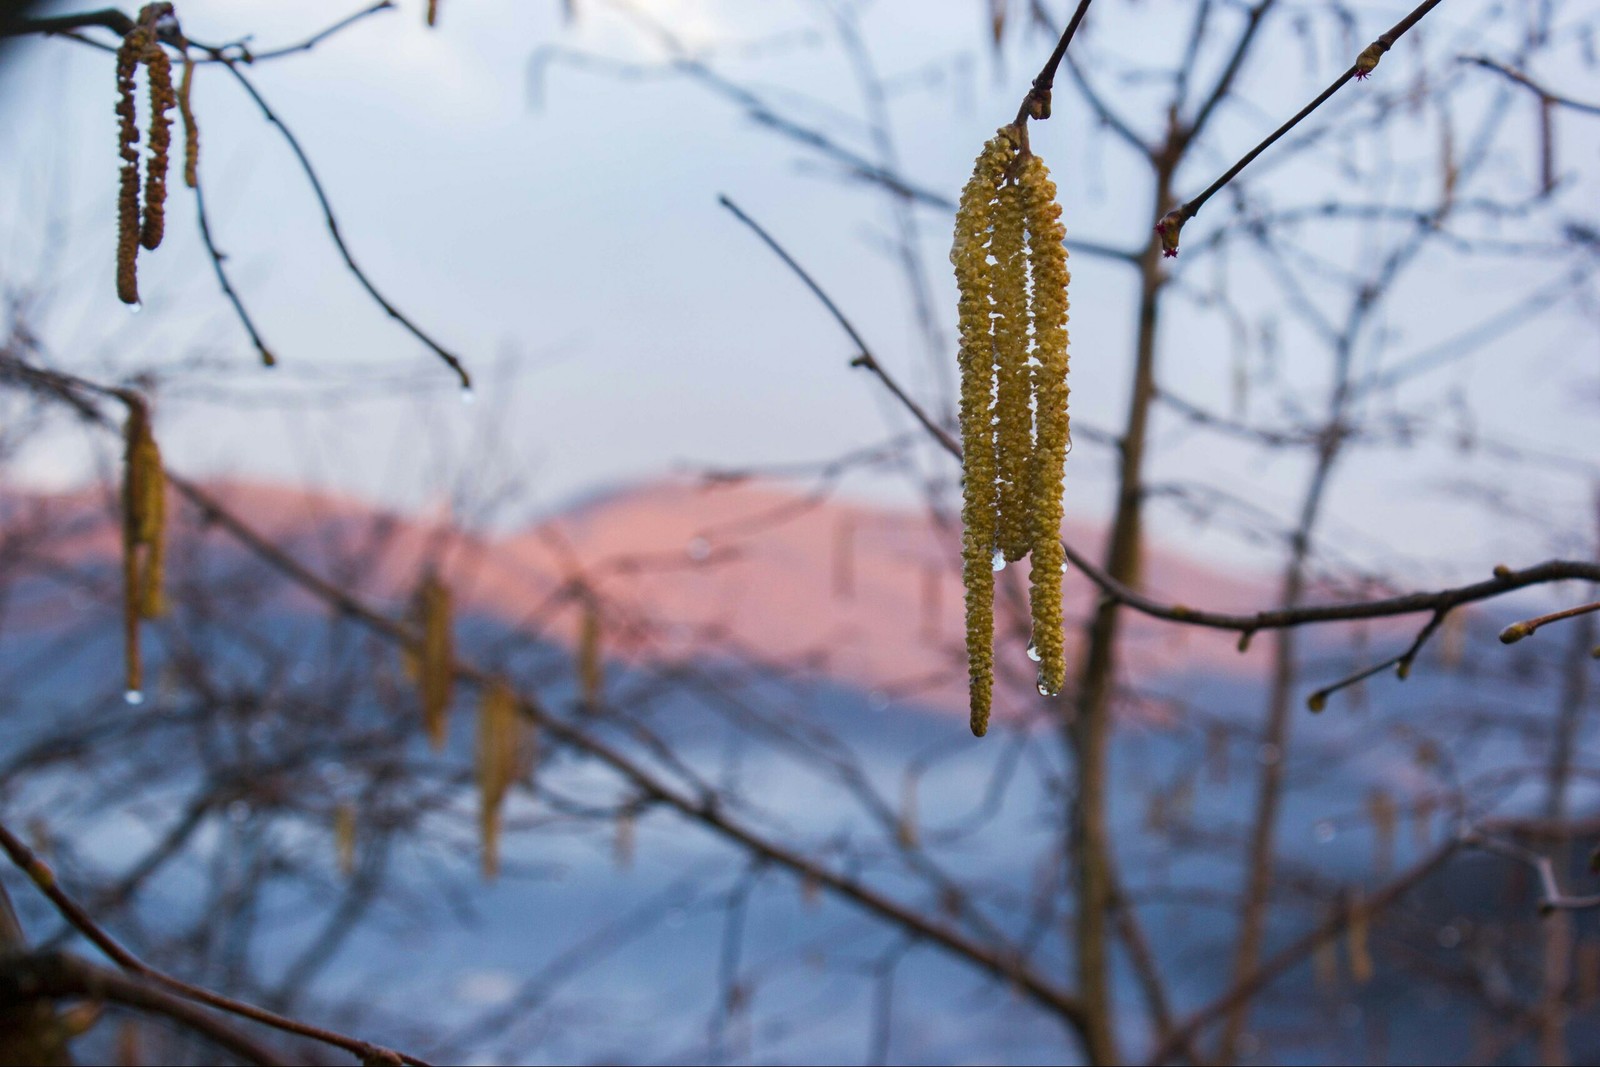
x=1011 y=269
x=505 y=743
x=144 y=224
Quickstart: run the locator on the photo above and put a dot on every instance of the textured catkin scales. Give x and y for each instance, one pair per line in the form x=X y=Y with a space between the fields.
x=133 y=49
x=975 y=219
x=162 y=100
x=1011 y=271
x=1050 y=277
x=144 y=523
x=1013 y=417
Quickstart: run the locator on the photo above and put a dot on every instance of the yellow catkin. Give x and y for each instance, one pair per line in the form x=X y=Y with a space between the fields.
x=1013 y=389
x=433 y=12
x=162 y=99
x=970 y=256
x=591 y=669
x=133 y=49
x=1048 y=257
x=436 y=672
x=344 y=837
x=143 y=535
x=500 y=761
x=191 y=132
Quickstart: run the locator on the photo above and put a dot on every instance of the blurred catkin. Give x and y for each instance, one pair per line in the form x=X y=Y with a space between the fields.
x=975 y=218
x=500 y=762
x=591 y=668
x=435 y=661
x=191 y=132
x=143 y=534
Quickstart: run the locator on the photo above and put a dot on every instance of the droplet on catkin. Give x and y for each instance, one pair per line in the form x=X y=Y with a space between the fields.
x=135 y=308
x=133 y=697
x=998 y=560
x=467 y=395
x=1033 y=652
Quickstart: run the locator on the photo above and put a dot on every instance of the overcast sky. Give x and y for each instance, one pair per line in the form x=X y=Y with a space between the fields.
x=622 y=326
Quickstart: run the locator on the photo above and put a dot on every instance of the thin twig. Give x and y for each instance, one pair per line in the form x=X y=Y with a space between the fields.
x=217 y=257
x=1526 y=82
x=55 y=976
x=44 y=878
x=332 y=224
x=1518 y=630
x=1036 y=104
x=864 y=358
x=1171 y=224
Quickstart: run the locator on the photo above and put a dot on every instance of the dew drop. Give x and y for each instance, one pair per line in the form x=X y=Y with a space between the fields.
x=467 y=395
x=998 y=562
x=134 y=309
x=133 y=697
x=1033 y=652
x=1449 y=937
x=1044 y=690
x=1325 y=832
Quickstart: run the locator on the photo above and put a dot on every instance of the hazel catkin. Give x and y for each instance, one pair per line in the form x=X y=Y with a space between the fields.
x=191 y=132
x=1011 y=271
x=1048 y=257
x=162 y=99
x=435 y=658
x=500 y=763
x=135 y=46
x=144 y=523
x=975 y=218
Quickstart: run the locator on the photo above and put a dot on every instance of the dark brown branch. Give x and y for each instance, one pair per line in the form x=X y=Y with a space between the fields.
x=106 y=18
x=55 y=976
x=1401 y=663
x=1171 y=224
x=217 y=257
x=1036 y=104
x=44 y=878
x=1552 y=897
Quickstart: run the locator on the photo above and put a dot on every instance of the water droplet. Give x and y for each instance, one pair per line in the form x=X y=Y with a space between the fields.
x=999 y=560
x=1325 y=832
x=134 y=309
x=1449 y=936
x=1044 y=690
x=133 y=697
x=1063 y=568
x=1033 y=652
x=699 y=549
x=467 y=395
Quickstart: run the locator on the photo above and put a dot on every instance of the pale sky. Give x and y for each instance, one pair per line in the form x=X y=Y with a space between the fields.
x=622 y=326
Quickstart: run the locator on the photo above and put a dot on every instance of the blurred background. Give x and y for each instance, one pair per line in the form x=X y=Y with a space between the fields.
x=720 y=565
